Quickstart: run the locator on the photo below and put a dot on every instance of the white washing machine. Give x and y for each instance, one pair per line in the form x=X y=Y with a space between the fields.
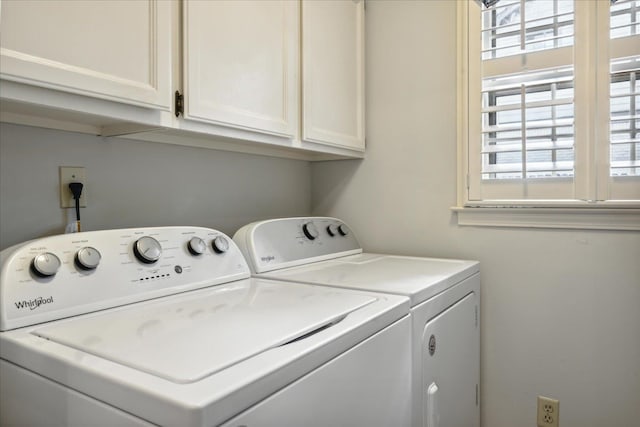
x=444 y=293
x=163 y=326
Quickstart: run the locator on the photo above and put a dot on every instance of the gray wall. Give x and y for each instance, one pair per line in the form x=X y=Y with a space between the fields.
x=135 y=184
x=560 y=309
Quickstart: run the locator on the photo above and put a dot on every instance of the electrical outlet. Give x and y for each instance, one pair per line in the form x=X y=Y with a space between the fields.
x=72 y=174
x=548 y=412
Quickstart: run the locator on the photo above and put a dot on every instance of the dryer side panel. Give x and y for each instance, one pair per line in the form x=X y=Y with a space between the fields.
x=451 y=369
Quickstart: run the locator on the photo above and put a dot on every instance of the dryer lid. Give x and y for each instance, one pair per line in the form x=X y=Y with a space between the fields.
x=188 y=337
x=416 y=277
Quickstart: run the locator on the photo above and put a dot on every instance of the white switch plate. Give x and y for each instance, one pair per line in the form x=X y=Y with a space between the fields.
x=72 y=174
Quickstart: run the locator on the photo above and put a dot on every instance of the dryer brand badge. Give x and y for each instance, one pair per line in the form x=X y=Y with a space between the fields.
x=268 y=258
x=432 y=345
x=34 y=303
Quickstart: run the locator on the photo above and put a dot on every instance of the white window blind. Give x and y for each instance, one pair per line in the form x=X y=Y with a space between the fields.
x=625 y=118
x=528 y=126
x=515 y=26
x=624 y=18
x=549 y=122
x=624 y=91
x=619 y=173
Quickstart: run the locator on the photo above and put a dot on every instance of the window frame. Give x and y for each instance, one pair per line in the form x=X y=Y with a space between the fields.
x=582 y=212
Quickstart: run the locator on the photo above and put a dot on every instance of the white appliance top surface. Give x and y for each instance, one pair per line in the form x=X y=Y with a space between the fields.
x=418 y=278
x=176 y=341
x=188 y=337
x=188 y=359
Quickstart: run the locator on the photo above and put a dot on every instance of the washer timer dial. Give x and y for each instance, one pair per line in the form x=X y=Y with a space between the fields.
x=147 y=249
x=310 y=231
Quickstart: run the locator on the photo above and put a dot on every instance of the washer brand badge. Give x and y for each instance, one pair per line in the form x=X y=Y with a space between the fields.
x=34 y=303
x=268 y=258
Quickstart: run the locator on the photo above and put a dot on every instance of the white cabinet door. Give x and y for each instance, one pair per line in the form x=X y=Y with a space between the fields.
x=241 y=64
x=115 y=50
x=333 y=72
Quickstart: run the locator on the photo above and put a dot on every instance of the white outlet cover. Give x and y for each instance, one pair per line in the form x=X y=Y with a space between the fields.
x=548 y=412
x=70 y=174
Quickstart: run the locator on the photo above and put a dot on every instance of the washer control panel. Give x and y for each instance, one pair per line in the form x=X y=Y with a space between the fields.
x=66 y=275
x=280 y=243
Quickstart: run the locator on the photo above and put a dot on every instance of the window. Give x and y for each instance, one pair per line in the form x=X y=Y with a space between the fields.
x=550 y=103
x=527 y=114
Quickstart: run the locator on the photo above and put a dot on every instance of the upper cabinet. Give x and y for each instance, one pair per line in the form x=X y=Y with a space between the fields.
x=333 y=72
x=275 y=77
x=241 y=62
x=119 y=51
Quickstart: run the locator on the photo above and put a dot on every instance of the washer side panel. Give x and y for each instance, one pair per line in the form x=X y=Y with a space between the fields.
x=368 y=385
x=29 y=399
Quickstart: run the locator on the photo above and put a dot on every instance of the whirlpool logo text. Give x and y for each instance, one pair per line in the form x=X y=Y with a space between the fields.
x=34 y=303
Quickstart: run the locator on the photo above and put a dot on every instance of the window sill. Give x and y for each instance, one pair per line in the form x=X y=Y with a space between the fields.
x=586 y=218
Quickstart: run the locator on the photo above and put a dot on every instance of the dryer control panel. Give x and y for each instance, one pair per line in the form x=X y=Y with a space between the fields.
x=286 y=242
x=66 y=275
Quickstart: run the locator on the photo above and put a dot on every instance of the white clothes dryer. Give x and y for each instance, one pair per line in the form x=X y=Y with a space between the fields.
x=444 y=293
x=164 y=326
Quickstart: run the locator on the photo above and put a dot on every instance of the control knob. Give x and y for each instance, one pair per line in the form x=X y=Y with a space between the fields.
x=196 y=246
x=310 y=231
x=45 y=265
x=88 y=258
x=147 y=249
x=220 y=244
x=334 y=230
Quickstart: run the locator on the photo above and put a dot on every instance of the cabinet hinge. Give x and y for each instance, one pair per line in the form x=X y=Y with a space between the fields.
x=179 y=104
x=477 y=396
x=467 y=178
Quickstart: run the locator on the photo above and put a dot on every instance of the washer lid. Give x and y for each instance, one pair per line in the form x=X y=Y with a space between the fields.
x=188 y=337
x=418 y=278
